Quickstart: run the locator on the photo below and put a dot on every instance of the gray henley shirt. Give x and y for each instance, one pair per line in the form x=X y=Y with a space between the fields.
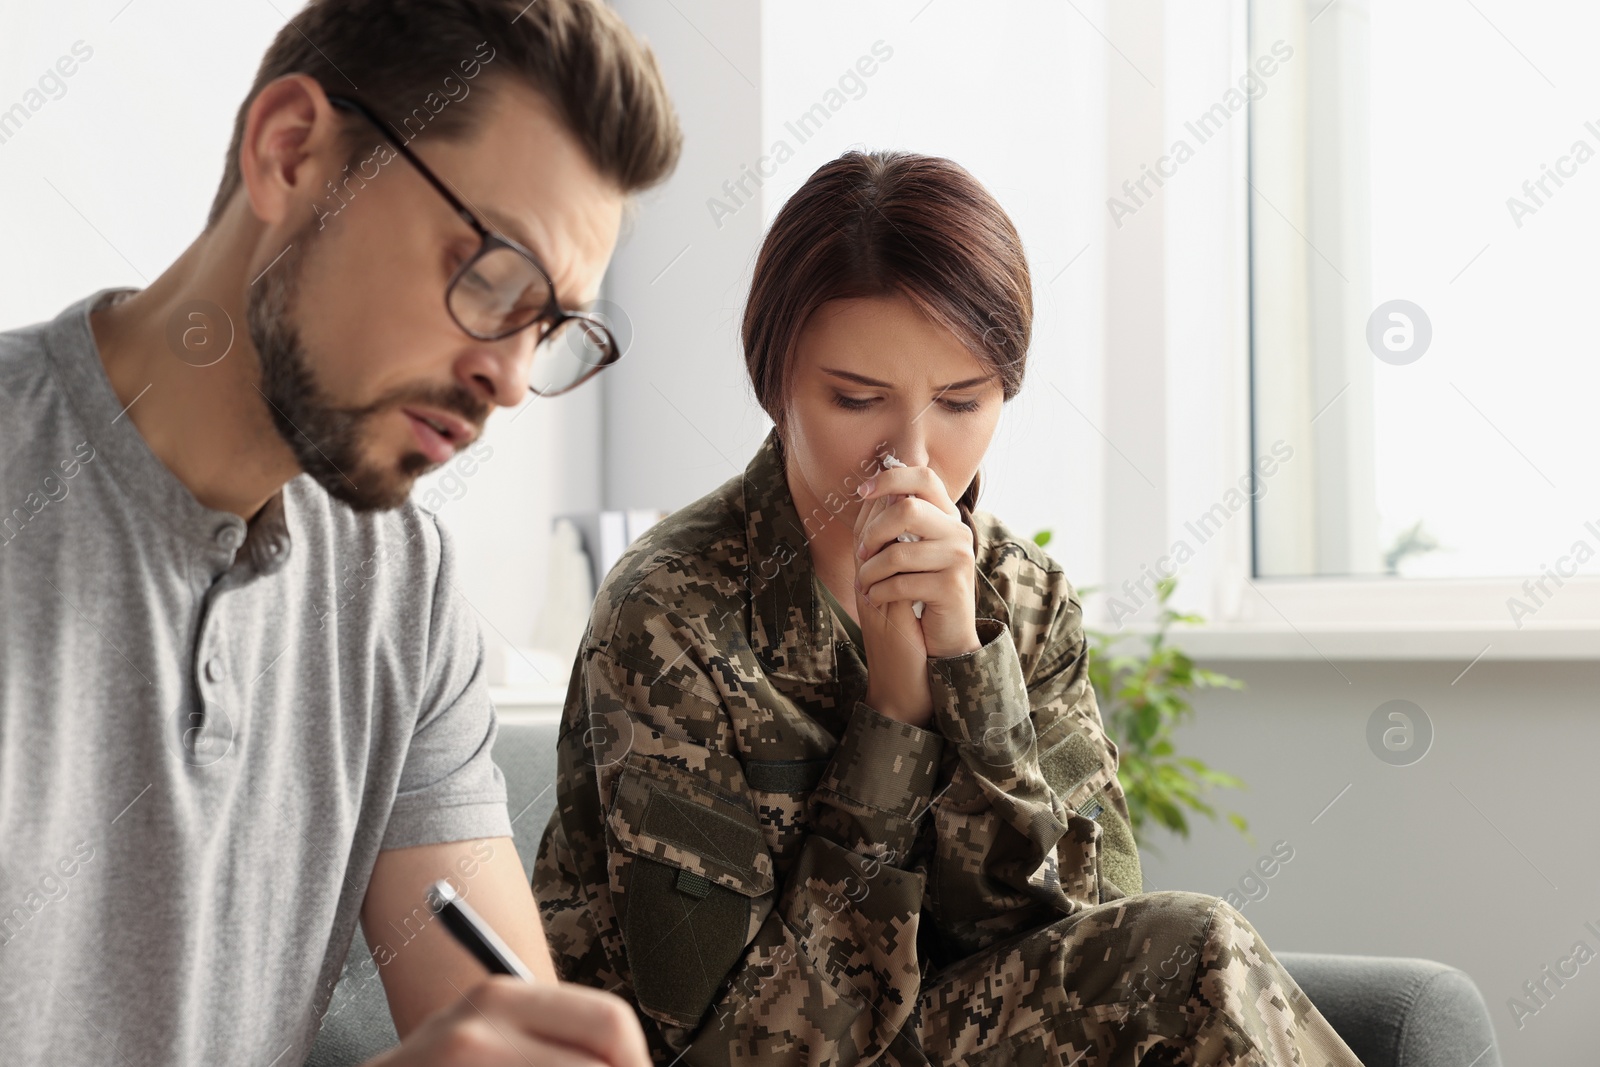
x=208 y=731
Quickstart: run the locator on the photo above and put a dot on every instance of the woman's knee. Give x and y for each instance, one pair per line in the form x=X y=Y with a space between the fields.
x=1173 y=913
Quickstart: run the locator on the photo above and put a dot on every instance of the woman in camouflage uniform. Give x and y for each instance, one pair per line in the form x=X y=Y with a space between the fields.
x=798 y=823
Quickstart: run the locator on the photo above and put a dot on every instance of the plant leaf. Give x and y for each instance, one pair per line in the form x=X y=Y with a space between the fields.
x=1143 y=694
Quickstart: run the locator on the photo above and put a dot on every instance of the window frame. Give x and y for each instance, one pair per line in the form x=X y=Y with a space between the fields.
x=1248 y=616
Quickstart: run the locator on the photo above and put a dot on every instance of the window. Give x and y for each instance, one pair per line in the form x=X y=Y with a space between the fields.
x=1424 y=197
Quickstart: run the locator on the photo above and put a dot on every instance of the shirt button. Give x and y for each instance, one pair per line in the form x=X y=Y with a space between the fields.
x=214 y=670
x=228 y=537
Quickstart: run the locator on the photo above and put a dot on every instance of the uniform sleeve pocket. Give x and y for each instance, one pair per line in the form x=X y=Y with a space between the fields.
x=1076 y=772
x=694 y=883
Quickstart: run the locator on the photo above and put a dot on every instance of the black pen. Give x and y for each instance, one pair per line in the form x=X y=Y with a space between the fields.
x=475 y=935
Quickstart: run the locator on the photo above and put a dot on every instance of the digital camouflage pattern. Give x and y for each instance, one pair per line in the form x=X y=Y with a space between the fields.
x=777 y=874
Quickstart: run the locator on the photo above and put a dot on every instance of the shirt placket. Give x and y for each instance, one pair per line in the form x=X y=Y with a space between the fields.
x=210 y=722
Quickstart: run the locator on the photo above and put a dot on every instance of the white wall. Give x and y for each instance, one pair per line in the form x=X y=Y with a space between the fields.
x=679 y=417
x=1481 y=855
x=1138 y=475
x=108 y=184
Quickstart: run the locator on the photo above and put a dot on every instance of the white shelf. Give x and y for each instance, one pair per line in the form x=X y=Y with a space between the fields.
x=1567 y=640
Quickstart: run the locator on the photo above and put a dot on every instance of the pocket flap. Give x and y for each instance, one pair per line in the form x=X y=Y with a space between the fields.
x=1075 y=770
x=679 y=817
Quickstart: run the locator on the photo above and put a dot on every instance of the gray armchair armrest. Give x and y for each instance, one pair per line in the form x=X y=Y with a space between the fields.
x=1396 y=1012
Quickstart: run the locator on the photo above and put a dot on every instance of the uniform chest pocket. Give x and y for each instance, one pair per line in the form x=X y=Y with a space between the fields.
x=692 y=880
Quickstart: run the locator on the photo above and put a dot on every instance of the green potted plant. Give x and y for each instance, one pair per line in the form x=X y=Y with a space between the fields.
x=1143 y=696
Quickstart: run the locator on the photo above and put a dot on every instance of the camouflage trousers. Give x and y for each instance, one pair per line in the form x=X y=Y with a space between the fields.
x=1156 y=979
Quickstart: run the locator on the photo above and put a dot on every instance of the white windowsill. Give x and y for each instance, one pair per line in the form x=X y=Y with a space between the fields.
x=1569 y=640
x=1396 y=620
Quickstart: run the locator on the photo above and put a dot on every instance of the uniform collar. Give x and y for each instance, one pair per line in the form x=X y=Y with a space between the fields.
x=791 y=628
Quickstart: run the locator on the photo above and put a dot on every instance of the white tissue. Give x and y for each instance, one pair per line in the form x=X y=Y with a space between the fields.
x=890 y=461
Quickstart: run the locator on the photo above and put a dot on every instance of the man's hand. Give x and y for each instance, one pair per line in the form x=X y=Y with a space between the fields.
x=506 y=1022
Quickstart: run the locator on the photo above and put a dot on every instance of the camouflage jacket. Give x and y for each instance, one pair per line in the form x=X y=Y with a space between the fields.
x=766 y=866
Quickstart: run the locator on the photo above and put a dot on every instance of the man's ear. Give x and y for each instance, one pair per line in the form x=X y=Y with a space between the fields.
x=291 y=138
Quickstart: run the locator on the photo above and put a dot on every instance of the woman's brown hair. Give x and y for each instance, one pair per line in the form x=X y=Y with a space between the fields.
x=880 y=223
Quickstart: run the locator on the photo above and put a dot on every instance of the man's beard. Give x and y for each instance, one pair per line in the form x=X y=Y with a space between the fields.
x=325 y=437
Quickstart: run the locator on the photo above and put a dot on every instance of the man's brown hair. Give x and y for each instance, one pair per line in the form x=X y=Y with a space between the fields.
x=426 y=64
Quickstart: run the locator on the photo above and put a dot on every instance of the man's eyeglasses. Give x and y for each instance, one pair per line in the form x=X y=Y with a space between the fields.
x=502 y=289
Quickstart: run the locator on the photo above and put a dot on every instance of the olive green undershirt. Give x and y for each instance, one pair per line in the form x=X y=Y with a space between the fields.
x=850 y=625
